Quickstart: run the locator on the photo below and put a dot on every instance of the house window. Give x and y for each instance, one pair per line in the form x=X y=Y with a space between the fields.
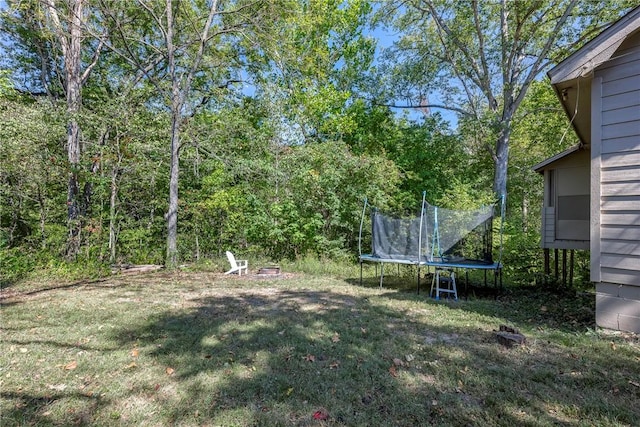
x=573 y=208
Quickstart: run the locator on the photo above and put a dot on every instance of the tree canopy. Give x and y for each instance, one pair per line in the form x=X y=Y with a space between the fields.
x=166 y=132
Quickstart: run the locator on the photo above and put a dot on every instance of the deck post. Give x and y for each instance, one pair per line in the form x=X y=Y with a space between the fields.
x=571 y=267
x=547 y=264
x=564 y=267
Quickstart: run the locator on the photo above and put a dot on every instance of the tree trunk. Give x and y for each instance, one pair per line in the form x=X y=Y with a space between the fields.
x=74 y=101
x=501 y=160
x=70 y=41
x=172 y=214
x=113 y=235
x=176 y=106
x=525 y=213
x=180 y=88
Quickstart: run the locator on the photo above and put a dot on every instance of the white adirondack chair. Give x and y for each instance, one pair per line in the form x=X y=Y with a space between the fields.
x=237 y=265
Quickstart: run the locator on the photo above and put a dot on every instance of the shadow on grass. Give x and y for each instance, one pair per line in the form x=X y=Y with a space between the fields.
x=31 y=409
x=559 y=308
x=272 y=353
x=10 y=296
x=259 y=358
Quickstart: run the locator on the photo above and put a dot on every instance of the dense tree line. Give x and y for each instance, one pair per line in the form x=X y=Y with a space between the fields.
x=167 y=132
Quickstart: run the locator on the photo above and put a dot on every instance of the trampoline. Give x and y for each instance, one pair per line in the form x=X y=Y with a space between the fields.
x=437 y=237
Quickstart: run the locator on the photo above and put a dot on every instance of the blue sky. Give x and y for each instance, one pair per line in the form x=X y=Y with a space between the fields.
x=385 y=38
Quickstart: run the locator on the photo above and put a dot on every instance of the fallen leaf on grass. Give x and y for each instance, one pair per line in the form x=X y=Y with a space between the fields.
x=131 y=365
x=393 y=371
x=334 y=365
x=71 y=365
x=409 y=357
x=397 y=362
x=309 y=358
x=170 y=371
x=320 y=415
x=336 y=337
x=135 y=352
x=633 y=383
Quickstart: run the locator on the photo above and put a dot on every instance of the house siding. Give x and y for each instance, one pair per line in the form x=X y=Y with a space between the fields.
x=548 y=227
x=565 y=214
x=616 y=152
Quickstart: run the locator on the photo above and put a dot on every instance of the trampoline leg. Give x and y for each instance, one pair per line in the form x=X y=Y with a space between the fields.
x=433 y=282
x=360 y=273
x=381 y=274
x=466 y=284
x=418 y=280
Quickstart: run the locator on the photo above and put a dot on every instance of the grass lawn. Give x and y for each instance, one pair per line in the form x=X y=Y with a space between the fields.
x=199 y=348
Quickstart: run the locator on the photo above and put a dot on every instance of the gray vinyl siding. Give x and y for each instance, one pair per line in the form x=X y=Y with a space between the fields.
x=618 y=146
x=548 y=227
x=620 y=169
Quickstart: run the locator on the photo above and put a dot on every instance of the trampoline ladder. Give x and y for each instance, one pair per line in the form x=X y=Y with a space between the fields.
x=447 y=278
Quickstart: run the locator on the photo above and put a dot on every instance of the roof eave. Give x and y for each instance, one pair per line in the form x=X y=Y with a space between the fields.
x=598 y=50
x=543 y=164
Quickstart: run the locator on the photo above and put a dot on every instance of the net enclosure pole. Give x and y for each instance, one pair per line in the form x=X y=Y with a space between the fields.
x=424 y=196
x=502 y=213
x=436 y=234
x=364 y=208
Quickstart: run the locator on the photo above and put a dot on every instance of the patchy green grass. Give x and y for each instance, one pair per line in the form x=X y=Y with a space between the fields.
x=198 y=348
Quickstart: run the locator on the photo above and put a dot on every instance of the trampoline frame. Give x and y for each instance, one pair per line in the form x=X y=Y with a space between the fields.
x=421 y=261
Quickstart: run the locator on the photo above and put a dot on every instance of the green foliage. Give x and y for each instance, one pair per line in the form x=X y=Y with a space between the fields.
x=6 y=88
x=465 y=195
x=316 y=209
x=32 y=177
x=522 y=256
x=479 y=59
x=46 y=259
x=282 y=136
x=15 y=264
x=312 y=63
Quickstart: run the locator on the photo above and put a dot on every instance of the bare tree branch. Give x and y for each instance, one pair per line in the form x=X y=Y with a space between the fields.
x=422 y=106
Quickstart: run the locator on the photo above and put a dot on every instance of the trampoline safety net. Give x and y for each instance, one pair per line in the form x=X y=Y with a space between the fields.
x=436 y=235
x=396 y=238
